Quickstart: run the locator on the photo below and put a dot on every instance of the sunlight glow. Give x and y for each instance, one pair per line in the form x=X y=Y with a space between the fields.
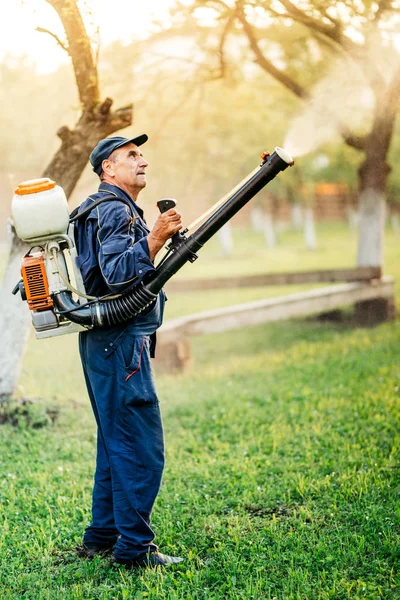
x=119 y=20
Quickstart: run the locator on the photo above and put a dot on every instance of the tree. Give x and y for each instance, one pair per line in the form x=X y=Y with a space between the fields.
x=96 y=121
x=358 y=33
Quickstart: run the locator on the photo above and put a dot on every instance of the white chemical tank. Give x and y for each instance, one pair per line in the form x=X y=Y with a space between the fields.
x=39 y=209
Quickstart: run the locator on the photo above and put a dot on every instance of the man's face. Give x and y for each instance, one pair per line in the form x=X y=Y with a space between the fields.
x=128 y=168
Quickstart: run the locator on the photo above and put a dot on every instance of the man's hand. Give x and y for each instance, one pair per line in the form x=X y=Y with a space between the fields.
x=164 y=228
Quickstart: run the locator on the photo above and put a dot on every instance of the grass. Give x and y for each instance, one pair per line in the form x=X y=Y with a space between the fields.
x=282 y=477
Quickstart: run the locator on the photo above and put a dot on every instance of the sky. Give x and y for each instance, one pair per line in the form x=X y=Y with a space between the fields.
x=117 y=19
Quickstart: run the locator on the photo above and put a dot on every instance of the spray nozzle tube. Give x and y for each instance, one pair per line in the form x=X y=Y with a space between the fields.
x=285 y=156
x=137 y=299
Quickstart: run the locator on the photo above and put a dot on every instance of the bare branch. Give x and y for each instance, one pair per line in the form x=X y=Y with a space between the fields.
x=387 y=108
x=105 y=106
x=342 y=42
x=228 y=26
x=334 y=32
x=263 y=62
x=358 y=142
x=80 y=50
x=394 y=88
x=355 y=141
x=217 y=2
x=64 y=133
x=334 y=21
x=59 y=42
x=383 y=6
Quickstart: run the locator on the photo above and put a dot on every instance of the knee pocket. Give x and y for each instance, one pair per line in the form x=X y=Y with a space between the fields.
x=141 y=438
x=135 y=371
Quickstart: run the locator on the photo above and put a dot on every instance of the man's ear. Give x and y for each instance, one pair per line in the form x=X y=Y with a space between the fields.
x=108 y=167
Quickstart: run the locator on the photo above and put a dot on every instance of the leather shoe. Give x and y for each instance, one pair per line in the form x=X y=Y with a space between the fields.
x=91 y=549
x=150 y=559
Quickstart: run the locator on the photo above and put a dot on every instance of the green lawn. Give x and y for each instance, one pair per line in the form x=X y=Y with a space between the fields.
x=282 y=477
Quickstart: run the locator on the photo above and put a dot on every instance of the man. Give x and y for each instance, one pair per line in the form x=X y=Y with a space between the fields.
x=116 y=250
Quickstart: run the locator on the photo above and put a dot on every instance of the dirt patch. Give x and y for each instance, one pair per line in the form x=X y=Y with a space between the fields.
x=27 y=412
x=280 y=511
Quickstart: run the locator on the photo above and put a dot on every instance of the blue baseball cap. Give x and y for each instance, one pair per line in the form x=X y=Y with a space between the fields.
x=106 y=147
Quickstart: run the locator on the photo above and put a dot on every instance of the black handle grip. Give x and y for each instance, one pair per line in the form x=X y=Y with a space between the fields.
x=165 y=204
x=16 y=289
x=20 y=287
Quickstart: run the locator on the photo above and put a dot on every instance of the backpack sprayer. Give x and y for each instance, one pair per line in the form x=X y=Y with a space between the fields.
x=51 y=277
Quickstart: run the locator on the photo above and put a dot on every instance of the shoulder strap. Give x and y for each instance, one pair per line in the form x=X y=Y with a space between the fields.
x=75 y=215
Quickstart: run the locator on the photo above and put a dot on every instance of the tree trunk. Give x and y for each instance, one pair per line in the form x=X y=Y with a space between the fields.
x=226 y=239
x=269 y=231
x=309 y=229
x=373 y=176
x=296 y=216
x=72 y=157
x=371 y=228
x=372 y=203
x=96 y=121
x=14 y=322
x=65 y=168
x=257 y=217
x=352 y=218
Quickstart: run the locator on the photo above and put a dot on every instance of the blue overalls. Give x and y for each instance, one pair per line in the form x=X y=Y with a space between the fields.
x=113 y=255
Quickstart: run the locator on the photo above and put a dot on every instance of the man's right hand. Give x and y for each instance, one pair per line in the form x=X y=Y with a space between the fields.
x=164 y=228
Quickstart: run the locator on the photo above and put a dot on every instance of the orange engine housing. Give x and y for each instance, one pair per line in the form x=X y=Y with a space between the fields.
x=35 y=281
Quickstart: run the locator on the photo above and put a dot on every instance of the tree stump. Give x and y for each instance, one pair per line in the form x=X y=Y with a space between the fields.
x=373 y=312
x=172 y=356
